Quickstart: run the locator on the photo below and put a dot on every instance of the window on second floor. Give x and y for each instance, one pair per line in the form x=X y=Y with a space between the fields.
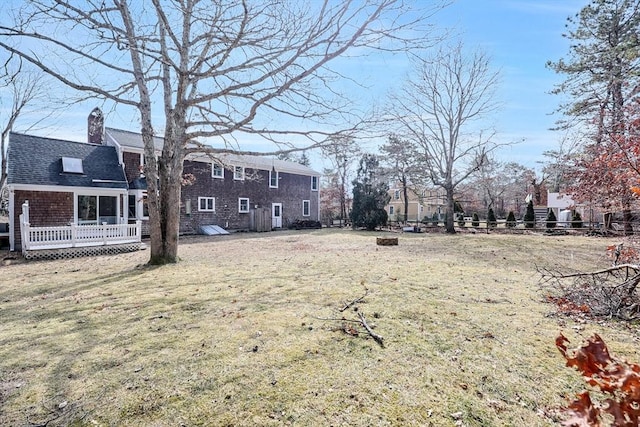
x=396 y=195
x=273 y=179
x=238 y=173
x=314 y=183
x=217 y=171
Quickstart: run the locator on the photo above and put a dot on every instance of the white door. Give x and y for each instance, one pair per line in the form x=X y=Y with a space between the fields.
x=276 y=215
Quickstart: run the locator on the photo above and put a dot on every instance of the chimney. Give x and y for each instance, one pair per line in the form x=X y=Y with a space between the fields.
x=95 y=126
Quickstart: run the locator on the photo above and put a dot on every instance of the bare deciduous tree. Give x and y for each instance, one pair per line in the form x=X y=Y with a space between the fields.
x=25 y=90
x=439 y=110
x=217 y=68
x=341 y=152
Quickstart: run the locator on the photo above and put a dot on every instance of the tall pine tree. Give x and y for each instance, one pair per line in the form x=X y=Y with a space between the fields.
x=602 y=80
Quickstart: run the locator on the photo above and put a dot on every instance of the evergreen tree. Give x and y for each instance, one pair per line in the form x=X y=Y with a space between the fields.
x=530 y=216
x=458 y=214
x=511 y=220
x=576 y=221
x=435 y=219
x=602 y=78
x=602 y=69
x=370 y=195
x=475 y=221
x=492 y=222
x=304 y=159
x=552 y=221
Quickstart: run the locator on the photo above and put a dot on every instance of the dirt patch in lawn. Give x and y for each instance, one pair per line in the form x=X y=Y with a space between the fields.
x=234 y=333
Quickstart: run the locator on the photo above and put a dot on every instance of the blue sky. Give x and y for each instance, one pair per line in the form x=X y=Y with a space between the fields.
x=519 y=35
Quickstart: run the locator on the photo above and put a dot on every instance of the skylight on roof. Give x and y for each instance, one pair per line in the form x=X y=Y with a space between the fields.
x=72 y=165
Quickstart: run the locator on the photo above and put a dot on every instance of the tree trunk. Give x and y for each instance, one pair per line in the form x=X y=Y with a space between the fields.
x=627 y=219
x=406 y=199
x=3 y=168
x=449 y=213
x=164 y=248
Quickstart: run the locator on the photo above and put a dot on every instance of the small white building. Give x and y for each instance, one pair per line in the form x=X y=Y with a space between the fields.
x=563 y=207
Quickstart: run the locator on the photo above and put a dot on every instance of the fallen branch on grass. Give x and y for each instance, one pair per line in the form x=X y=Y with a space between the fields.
x=375 y=336
x=355 y=301
x=349 y=330
x=610 y=292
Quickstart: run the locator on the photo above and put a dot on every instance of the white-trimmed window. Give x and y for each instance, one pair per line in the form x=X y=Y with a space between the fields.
x=138 y=204
x=217 y=171
x=206 y=204
x=96 y=209
x=396 y=195
x=243 y=205
x=238 y=173
x=391 y=210
x=314 y=183
x=273 y=179
x=306 y=207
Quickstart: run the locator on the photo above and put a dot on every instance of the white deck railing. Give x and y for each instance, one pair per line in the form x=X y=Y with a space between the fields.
x=74 y=236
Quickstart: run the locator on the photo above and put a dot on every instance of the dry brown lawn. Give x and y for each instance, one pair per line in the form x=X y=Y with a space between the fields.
x=232 y=335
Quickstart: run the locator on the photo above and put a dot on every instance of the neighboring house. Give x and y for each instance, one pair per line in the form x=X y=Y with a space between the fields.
x=562 y=202
x=423 y=202
x=103 y=182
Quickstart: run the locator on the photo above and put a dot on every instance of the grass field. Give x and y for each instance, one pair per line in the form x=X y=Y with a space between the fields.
x=245 y=331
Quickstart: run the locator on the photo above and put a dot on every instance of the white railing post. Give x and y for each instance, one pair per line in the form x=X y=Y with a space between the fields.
x=74 y=234
x=25 y=211
x=24 y=232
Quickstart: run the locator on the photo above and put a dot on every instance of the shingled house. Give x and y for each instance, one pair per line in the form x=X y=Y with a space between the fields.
x=229 y=191
x=102 y=183
x=69 y=193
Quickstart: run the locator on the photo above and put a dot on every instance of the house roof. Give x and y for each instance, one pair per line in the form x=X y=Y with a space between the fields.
x=133 y=140
x=35 y=160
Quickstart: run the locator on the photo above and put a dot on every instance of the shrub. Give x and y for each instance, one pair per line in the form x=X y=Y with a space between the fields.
x=551 y=219
x=530 y=216
x=511 y=220
x=492 y=222
x=475 y=221
x=435 y=219
x=576 y=221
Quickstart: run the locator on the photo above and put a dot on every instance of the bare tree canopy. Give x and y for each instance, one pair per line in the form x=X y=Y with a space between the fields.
x=205 y=68
x=26 y=92
x=440 y=110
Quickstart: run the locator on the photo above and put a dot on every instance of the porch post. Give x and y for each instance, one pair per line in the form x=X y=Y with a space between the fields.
x=25 y=211
x=74 y=234
x=12 y=221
